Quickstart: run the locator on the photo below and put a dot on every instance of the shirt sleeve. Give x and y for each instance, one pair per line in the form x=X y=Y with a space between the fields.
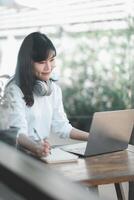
x=60 y=123
x=17 y=114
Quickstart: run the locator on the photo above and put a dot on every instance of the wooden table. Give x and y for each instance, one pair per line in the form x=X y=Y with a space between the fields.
x=109 y=168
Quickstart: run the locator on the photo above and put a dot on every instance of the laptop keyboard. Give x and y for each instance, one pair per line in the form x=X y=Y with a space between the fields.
x=78 y=148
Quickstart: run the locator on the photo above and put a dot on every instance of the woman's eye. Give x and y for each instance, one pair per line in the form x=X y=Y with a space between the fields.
x=41 y=62
x=52 y=60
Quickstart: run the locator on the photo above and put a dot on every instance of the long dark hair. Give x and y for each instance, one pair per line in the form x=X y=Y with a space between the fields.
x=34 y=48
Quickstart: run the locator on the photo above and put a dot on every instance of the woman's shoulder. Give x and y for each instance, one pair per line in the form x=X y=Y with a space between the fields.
x=56 y=87
x=12 y=88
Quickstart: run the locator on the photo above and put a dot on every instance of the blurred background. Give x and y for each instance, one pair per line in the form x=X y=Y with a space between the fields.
x=95 y=52
x=95 y=49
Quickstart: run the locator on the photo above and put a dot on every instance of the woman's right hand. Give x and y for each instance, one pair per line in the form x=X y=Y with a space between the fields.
x=39 y=149
x=43 y=148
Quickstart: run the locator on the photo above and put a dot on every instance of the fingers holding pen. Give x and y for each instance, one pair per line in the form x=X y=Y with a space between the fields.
x=43 y=148
x=47 y=147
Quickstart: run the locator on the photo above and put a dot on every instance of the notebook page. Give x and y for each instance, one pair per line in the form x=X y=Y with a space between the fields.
x=59 y=156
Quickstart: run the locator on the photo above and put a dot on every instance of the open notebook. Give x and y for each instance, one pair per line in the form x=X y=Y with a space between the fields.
x=59 y=156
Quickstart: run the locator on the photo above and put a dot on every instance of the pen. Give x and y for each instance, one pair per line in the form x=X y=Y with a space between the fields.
x=39 y=137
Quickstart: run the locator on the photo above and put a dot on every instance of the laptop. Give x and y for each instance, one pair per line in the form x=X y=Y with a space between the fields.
x=110 y=131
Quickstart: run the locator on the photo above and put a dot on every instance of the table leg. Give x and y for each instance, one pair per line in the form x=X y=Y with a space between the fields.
x=119 y=191
x=131 y=191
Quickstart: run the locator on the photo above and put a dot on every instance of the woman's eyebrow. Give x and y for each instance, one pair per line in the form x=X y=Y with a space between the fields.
x=51 y=57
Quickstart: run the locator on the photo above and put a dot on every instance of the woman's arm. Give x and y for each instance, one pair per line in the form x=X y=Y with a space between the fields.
x=78 y=134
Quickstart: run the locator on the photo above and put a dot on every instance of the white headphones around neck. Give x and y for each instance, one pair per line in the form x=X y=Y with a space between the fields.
x=43 y=88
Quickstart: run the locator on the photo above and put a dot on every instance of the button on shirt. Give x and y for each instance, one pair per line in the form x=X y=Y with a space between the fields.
x=45 y=116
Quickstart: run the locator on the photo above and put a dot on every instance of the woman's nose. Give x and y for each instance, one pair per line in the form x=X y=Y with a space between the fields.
x=47 y=65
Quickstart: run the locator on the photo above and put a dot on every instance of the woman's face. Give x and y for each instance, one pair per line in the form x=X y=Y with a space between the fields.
x=42 y=69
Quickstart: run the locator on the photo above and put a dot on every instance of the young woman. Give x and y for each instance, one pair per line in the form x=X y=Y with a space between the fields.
x=36 y=99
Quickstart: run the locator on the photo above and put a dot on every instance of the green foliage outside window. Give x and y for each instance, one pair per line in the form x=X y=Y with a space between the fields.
x=96 y=72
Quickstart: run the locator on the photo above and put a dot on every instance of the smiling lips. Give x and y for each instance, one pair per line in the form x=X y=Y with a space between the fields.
x=45 y=74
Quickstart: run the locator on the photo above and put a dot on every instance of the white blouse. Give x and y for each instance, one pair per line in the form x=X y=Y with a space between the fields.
x=45 y=116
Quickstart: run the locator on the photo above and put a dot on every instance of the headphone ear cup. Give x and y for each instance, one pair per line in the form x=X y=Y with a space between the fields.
x=43 y=88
